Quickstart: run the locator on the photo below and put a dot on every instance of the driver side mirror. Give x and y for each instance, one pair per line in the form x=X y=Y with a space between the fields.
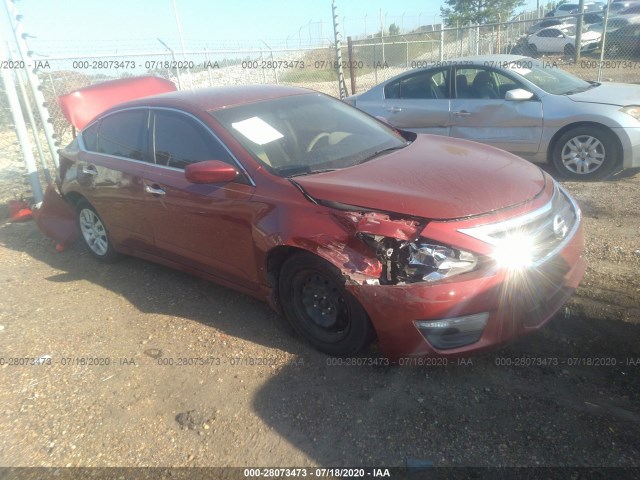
x=210 y=171
x=518 y=95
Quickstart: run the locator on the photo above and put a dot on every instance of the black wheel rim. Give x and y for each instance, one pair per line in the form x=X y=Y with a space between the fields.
x=320 y=306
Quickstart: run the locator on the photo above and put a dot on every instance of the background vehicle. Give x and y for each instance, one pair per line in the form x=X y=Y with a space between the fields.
x=561 y=39
x=624 y=41
x=519 y=104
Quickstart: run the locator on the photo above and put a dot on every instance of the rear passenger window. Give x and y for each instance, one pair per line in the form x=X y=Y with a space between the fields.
x=179 y=140
x=124 y=134
x=90 y=137
x=422 y=85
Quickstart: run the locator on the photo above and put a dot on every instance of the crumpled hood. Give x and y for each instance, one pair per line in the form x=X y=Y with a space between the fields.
x=621 y=94
x=434 y=178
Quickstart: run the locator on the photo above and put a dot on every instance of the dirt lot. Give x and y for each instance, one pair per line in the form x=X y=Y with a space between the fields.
x=110 y=396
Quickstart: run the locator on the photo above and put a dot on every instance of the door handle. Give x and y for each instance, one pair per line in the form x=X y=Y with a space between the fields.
x=462 y=113
x=154 y=191
x=89 y=170
x=394 y=109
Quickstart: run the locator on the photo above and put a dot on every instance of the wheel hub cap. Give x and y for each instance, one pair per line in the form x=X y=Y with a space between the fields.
x=583 y=154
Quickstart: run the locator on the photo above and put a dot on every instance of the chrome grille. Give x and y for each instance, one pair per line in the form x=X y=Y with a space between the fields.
x=548 y=228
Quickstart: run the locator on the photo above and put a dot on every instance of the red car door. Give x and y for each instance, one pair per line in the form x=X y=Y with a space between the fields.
x=207 y=227
x=110 y=172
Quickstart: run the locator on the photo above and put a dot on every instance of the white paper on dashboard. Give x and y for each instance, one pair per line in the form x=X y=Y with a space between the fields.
x=257 y=130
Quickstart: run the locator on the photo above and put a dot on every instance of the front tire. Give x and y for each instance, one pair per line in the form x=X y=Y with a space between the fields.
x=94 y=234
x=320 y=309
x=586 y=153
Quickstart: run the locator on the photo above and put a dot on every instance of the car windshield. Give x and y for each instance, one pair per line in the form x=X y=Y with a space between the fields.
x=309 y=133
x=550 y=78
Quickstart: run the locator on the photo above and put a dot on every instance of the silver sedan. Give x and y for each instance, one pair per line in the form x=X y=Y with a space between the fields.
x=587 y=130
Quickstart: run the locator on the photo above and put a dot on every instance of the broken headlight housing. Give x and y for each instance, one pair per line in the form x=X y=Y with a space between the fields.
x=431 y=262
x=420 y=260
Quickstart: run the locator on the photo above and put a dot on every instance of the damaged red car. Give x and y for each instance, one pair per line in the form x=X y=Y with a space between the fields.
x=350 y=228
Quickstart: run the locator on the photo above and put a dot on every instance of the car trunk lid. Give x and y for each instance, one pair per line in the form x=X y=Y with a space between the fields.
x=81 y=106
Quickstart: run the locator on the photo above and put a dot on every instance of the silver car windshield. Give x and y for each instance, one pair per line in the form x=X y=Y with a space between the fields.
x=308 y=133
x=550 y=78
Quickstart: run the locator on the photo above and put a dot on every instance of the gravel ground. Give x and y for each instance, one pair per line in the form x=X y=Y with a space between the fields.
x=110 y=396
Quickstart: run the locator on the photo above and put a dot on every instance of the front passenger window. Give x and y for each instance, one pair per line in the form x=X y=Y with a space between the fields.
x=179 y=141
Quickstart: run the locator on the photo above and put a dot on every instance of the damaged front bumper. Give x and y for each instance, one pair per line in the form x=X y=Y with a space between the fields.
x=480 y=310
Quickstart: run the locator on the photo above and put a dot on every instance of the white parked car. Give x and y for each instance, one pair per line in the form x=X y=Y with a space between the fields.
x=562 y=39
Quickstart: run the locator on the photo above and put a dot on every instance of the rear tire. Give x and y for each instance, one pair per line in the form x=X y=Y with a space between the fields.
x=320 y=309
x=94 y=234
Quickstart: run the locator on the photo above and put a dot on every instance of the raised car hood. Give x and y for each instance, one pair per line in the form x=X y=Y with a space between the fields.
x=83 y=105
x=434 y=178
x=621 y=94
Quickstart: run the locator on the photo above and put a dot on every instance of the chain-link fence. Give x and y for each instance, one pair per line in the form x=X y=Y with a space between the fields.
x=365 y=61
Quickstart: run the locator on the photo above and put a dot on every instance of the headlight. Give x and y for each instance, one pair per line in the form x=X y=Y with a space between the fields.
x=514 y=251
x=430 y=262
x=633 y=110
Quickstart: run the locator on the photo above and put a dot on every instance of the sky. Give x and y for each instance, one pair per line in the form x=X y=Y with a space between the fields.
x=68 y=27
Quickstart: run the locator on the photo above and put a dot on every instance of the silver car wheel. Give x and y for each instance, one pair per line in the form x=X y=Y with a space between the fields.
x=583 y=154
x=93 y=231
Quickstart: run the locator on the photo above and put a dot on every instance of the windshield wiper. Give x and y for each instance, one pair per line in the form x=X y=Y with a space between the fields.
x=383 y=151
x=299 y=170
x=583 y=89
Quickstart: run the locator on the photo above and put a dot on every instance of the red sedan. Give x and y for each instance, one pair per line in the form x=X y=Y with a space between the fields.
x=351 y=229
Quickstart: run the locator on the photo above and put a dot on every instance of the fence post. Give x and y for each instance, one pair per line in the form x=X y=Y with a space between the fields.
x=441 y=43
x=21 y=129
x=32 y=122
x=603 y=45
x=32 y=78
x=352 y=72
x=342 y=86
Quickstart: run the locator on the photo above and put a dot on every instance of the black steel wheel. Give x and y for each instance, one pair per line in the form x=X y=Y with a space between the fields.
x=318 y=306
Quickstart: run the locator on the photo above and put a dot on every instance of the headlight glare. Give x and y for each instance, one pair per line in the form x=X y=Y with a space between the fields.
x=514 y=251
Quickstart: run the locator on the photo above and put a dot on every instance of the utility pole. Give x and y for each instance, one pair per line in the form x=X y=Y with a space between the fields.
x=579 y=24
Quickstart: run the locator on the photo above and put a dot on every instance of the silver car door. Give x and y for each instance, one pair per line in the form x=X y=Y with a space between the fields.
x=481 y=113
x=419 y=102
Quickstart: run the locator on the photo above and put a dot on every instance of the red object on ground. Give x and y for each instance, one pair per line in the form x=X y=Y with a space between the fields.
x=19 y=211
x=83 y=105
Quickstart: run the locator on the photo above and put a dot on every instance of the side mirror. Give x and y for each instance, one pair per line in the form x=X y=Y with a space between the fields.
x=210 y=171
x=518 y=95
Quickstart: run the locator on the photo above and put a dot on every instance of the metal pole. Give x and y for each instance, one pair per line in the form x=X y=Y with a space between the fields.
x=352 y=72
x=382 y=35
x=206 y=53
x=579 y=23
x=184 y=55
x=21 y=130
x=32 y=78
x=32 y=122
x=604 y=39
x=342 y=86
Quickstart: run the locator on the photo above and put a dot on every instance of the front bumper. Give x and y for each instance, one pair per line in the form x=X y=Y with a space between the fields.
x=518 y=302
x=630 y=140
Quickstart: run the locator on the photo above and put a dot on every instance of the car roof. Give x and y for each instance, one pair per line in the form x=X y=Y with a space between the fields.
x=215 y=98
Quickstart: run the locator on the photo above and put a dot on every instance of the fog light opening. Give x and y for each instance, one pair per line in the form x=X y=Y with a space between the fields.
x=456 y=332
